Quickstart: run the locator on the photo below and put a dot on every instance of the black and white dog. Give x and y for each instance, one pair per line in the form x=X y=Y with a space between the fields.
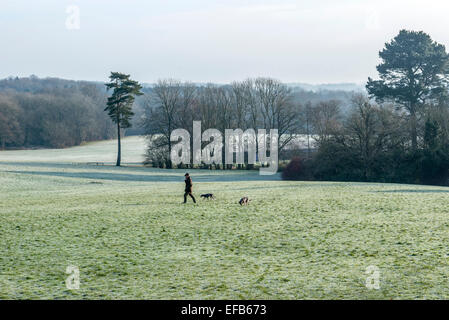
x=244 y=201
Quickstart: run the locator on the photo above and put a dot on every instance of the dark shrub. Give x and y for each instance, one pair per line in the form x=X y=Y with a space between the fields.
x=294 y=170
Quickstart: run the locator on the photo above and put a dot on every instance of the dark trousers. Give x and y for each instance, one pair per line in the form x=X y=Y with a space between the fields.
x=189 y=193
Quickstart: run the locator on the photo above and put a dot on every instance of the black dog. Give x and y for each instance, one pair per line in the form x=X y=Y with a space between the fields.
x=208 y=196
x=244 y=201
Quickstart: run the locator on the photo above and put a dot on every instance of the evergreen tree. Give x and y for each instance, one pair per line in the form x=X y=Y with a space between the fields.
x=413 y=71
x=119 y=104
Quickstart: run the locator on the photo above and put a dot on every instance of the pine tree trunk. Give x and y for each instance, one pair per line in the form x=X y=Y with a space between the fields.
x=119 y=153
x=414 y=134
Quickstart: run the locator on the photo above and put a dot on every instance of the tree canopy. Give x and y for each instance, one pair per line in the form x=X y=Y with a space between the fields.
x=414 y=70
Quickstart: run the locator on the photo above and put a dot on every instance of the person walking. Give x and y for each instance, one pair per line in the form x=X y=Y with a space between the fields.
x=188 y=189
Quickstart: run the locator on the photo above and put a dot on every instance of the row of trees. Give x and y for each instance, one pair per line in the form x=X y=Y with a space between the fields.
x=373 y=143
x=60 y=113
x=53 y=112
x=261 y=103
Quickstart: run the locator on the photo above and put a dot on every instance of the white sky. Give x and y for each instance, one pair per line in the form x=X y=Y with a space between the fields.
x=320 y=41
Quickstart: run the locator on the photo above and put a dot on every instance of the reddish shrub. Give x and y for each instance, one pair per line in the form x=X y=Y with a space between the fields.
x=294 y=170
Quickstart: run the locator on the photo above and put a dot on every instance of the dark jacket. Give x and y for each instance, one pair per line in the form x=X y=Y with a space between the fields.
x=188 y=182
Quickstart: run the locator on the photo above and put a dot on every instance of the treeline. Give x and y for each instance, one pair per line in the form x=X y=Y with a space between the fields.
x=56 y=113
x=261 y=103
x=52 y=113
x=346 y=140
x=373 y=143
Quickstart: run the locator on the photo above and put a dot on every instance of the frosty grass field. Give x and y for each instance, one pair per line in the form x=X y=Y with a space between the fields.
x=127 y=231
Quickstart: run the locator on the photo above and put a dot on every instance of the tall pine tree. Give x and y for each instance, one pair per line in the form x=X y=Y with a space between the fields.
x=119 y=104
x=414 y=71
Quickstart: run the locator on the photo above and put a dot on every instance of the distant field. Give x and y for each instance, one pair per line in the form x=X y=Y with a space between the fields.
x=133 y=150
x=127 y=231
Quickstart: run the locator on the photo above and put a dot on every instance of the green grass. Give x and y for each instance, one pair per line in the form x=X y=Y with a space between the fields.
x=127 y=231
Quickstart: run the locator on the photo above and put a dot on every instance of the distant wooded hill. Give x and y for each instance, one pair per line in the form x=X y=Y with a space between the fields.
x=57 y=113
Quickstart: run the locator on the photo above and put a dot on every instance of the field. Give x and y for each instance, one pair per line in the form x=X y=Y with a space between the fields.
x=131 y=238
x=133 y=150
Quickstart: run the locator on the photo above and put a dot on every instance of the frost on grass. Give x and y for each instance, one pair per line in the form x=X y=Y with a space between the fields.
x=132 y=238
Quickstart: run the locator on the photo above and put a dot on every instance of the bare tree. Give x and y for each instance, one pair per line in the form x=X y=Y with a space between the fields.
x=245 y=107
x=307 y=123
x=369 y=131
x=162 y=109
x=326 y=118
x=277 y=109
x=184 y=114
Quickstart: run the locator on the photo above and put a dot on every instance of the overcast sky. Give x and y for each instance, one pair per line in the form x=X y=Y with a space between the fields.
x=316 y=41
